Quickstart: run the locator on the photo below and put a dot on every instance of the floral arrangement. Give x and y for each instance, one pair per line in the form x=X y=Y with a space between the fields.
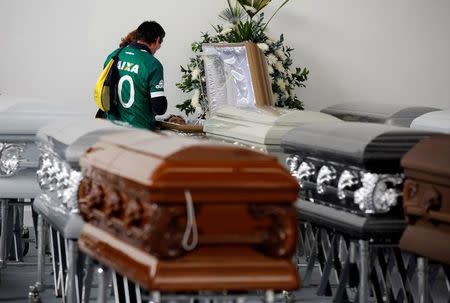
x=244 y=22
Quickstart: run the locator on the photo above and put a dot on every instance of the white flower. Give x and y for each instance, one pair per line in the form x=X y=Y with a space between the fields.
x=292 y=93
x=195 y=101
x=280 y=54
x=225 y=31
x=279 y=67
x=269 y=69
x=281 y=84
x=229 y=25
x=275 y=96
x=272 y=59
x=289 y=73
x=195 y=73
x=269 y=41
x=264 y=47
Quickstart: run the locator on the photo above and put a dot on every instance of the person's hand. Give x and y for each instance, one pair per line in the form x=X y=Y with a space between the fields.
x=175 y=119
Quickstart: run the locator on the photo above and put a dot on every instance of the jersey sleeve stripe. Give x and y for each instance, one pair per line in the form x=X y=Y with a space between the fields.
x=157 y=94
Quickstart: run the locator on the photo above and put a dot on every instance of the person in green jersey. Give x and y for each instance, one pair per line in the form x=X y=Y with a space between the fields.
x=140 y=85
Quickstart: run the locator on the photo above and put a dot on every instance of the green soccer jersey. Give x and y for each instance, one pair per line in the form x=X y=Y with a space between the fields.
x=140 y=79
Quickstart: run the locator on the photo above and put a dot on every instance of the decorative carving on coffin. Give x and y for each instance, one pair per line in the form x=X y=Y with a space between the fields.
x=143 y=194
x=426 y=201
x=136 y=191
x=422 y=200
x=281 y=235
x=159 y=229
x=125 y=217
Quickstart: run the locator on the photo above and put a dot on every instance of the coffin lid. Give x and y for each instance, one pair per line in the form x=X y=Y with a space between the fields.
x=170 y=163
x=71 y=137
x=24 y=116
x=260 y=125
x=438 y=121
x=431 y=156
x=376 y=147
x=389 y=113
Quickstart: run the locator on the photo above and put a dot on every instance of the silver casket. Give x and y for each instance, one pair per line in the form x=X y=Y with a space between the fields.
x=260 y=128
x=384 y=113
x=350 y=176
x=61 y=145
x=438 y=121
x=20 y=119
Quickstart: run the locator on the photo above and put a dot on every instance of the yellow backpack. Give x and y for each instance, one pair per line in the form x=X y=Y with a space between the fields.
x=105 y=87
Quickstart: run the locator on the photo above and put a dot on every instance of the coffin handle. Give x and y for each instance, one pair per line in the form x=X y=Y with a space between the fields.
x=190 y=232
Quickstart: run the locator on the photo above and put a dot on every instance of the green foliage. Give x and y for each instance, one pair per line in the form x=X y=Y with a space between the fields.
x=186 y=107
x=248 y=31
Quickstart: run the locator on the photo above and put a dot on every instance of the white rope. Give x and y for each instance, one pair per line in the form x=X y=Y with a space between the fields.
x=191 y=226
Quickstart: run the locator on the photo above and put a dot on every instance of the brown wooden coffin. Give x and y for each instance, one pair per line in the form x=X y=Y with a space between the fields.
x=210 y=268
x=427 y=198
x=134 y=191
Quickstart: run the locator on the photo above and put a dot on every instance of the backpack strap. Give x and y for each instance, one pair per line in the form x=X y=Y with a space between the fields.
x=115 y=77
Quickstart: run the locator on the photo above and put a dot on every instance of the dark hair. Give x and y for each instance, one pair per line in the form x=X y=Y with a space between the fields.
x=131 y=37
x=149 y=31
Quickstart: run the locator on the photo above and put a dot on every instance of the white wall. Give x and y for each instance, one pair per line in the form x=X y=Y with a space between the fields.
x=357 y=50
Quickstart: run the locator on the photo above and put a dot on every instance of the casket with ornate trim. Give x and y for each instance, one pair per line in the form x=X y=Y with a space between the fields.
x=61 y=145
x=176 y=214
x=20 y=119
x=350 y=175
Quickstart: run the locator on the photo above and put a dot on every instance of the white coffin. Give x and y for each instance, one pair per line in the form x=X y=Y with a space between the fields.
x=261 y=128
x=24 y=116
x=438 y=121
x=383 y=113
x=20 y=119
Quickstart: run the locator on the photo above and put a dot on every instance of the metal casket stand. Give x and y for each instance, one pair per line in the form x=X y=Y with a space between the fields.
x=351 y=184
x=187 y=219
